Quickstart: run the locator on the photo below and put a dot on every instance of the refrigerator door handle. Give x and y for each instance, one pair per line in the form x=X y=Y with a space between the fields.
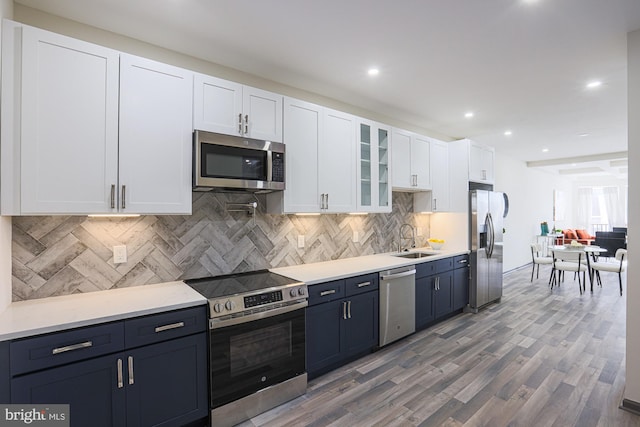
x=487 y=227
x=492 y=234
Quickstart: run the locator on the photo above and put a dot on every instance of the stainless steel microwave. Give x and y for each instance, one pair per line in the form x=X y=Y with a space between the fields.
x=223 y=162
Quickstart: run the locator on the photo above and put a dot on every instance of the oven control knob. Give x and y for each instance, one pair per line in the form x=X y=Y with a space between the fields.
x=301 y=291
x=230 y=305
x=293 y=293
x=217 y=307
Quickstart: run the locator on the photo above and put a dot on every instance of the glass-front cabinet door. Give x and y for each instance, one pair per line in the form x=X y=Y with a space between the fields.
x=374 y=192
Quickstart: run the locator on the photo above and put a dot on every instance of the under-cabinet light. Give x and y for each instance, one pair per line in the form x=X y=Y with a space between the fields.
x=307 y=214
x=358 y=213
x=113 y=215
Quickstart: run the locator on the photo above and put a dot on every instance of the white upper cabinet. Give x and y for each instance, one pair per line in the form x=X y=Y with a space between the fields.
x=410 y=161
x=155 y=137
x=337 y=163
x=231 y=108
x=481 y=158
x=303 y=131
x=320 y=161
x=72 y=120
x=60 y=123
x=373 y=186
x=438 y=199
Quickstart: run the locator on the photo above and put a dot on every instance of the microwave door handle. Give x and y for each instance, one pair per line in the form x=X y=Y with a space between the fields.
x=269 y=166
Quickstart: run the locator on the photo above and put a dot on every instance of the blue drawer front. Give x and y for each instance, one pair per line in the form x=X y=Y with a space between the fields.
x=44 y=351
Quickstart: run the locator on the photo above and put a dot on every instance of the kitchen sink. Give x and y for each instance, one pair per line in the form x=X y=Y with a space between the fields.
x=413 y=255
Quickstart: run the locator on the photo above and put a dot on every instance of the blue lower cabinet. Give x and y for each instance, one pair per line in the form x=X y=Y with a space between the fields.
x=90 y=388
x=460 y=288
x=159 y=384
x=339 y=330
x=168 y=386
x=424 y=301
x=443 y=294
x=324 y=336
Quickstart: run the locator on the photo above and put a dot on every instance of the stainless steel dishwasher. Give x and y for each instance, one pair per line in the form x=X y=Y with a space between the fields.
x=397 y=303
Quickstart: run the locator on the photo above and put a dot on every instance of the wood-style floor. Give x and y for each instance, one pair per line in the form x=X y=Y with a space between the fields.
x=540 y=357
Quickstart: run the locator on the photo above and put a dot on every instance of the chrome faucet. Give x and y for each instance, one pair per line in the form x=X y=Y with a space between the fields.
x=403 y=236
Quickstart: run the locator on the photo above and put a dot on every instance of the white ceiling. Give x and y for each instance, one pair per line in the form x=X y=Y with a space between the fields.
x=519 y=65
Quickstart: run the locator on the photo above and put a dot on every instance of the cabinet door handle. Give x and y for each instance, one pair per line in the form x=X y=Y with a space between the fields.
x=72 y=347
x=329 y=292
x=168 y=327
x=240 y=123
x=435 y=204
x=326 y=197
x=246 y=124
x=344 y=310
x=113 y=196
x=120 y=382
x=484 y=174
x=130 y=363
x=463 y=261
x=124 y=195
x=349 y=309
x=363 y=284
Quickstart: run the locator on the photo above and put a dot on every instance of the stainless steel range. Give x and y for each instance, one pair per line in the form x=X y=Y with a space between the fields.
x=257 y=343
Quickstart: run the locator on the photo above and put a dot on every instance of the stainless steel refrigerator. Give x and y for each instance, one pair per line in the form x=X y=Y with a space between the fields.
x=486 y=211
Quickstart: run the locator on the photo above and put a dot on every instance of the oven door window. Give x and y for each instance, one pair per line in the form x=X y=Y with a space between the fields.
x=248 y=357
x=219 y=161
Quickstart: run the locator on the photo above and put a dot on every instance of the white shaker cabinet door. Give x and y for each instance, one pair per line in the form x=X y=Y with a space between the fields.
x=69 y=124
x=302 y=134
x=401 y=172
x=337 y=163
x=217 y=105
x=262 y=114
x=155 y=137
x=440 y=176
x=420 y=163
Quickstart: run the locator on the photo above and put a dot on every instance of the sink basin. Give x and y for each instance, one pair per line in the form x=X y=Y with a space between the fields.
x=413 y=255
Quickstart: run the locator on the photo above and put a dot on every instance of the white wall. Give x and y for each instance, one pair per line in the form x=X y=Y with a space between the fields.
x=632 y=389
x=6 y=11
x=530 y=194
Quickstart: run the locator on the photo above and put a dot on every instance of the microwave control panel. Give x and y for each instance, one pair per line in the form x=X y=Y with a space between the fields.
x=277 y=171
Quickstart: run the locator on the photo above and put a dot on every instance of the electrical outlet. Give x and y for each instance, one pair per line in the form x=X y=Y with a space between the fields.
x=301 y=241
x=418 y=231
x=119 y=254
x=355 y=237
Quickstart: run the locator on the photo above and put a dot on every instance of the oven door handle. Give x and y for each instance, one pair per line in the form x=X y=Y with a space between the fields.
x=217 y=323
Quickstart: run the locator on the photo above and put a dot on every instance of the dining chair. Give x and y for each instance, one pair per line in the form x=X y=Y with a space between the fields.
x=618 y=266
x=538 y=259
x=568 y=260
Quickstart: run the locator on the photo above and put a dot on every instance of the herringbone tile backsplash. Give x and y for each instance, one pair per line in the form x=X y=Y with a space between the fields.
x=57 y=255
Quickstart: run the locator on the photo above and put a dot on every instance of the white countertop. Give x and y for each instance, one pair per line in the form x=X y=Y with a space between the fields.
x=39 y=316
x=319 y=272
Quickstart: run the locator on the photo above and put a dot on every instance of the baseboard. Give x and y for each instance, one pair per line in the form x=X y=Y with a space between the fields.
x=631 y=406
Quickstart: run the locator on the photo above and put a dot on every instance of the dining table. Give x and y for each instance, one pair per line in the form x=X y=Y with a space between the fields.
x=594 y=250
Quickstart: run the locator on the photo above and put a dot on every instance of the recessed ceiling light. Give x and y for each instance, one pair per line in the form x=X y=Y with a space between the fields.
x=594 y=84
x=468 y=115
x=545 y=150
x=583 y=135
x=373 y=71
x=507 y=132
x=573 y=165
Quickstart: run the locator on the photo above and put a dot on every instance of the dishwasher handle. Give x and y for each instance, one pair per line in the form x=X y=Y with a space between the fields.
x=398 y=275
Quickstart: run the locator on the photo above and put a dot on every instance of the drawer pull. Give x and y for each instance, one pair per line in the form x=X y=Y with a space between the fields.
x=168 y=327
x=329 y=292
x=130 y=363
x=120 y=382
x=363 y=284
x=72 y=347
x=463 y=261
